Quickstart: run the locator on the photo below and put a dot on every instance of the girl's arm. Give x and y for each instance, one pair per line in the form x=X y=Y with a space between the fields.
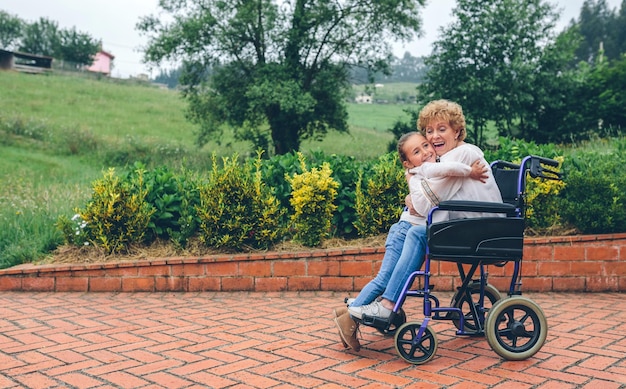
x=442 y=169
x=476 y=171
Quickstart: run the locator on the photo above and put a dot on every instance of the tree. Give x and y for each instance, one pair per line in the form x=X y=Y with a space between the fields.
x=608 y=83
x=564 y=94
x=598 y=26
x=279 y=68
x=75 y=46
x=620 y=22
x=41 y=37
x=10 y=30
x=490 y=61
x=168 y=77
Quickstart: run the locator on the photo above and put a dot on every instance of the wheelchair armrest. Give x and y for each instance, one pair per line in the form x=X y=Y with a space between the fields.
x=476 y=206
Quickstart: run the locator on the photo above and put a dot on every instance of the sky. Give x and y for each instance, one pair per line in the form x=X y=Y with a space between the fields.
x=114 y=21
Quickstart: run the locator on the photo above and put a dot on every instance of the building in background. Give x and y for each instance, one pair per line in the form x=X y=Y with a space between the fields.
x=102 y=63
x=24 y=62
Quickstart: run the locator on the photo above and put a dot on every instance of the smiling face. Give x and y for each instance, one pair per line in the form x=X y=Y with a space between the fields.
x=417 y=150
x=442 y=136
x=443 y=123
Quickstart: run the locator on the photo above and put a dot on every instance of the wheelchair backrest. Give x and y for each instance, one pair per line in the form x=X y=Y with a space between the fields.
x=507 y=176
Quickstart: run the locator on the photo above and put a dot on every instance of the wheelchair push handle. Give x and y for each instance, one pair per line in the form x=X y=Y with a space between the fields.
x=536 y=168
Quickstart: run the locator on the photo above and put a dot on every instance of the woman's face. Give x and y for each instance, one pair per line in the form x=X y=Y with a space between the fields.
x=441 y=136
x=417 y=151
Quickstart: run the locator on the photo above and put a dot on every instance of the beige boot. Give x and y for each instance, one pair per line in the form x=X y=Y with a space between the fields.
x=338 y=312
x=347 y=329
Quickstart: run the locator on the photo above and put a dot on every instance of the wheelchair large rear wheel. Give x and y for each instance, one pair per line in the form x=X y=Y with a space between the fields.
x=491 y=296
x=414 y=350
x=516 y=328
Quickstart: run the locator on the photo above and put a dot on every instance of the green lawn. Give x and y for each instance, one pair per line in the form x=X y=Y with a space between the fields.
x=58 y=133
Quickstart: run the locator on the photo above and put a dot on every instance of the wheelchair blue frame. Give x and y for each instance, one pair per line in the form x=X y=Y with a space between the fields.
x=515 y=327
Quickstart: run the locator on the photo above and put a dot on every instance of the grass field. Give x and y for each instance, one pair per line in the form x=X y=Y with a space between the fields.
x=59 y=133
x=117 y=111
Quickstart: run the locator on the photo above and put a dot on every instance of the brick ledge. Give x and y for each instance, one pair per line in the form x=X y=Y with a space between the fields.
x=582 y=263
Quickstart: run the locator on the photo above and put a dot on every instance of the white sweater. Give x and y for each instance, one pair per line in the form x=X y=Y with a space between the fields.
x=473 y=190
x=432 y=182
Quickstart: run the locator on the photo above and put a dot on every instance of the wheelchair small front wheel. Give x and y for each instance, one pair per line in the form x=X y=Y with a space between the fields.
x=398 y=320
x=516 y=328
x=414 y=350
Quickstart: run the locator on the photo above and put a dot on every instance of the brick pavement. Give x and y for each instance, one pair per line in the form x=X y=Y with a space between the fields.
x=282 y=340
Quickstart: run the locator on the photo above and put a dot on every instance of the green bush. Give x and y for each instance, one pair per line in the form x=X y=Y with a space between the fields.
x=345 y=172
x=118 y=213
x=252 y=204
x=236 y=210
x=380 y=196
x=513 y=150
x=591 y=197
x=543 y=204
x=594 y=198
x=595 y=204
x=313 y=193
x=174 y=197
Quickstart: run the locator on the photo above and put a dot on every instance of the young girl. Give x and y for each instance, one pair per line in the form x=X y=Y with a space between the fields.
x=417 y=157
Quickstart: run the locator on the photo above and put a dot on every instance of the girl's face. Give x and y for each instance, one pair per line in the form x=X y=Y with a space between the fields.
x=442 y=136
x=417 y=151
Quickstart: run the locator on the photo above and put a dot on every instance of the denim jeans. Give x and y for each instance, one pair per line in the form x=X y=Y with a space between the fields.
x=411 y=259
x=393 y=250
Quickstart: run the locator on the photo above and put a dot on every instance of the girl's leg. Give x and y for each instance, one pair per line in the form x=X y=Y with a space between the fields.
x=393 y=250
x=411 y=259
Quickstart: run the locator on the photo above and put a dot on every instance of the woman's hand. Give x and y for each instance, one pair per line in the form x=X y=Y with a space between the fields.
x=479 y=171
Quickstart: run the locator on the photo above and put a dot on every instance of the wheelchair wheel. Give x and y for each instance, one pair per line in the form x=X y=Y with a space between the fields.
x=397 y=322
x=516 y=328
x=410 y=348
x=491 y=296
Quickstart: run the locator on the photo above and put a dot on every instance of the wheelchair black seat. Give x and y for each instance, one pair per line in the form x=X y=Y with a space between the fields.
x=493 y=239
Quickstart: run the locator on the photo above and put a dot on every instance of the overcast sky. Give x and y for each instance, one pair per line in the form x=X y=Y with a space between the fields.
x=113 y=22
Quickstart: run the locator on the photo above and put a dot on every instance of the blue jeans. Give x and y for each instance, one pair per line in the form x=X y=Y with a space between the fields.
x=412 y=259
x=393 y=250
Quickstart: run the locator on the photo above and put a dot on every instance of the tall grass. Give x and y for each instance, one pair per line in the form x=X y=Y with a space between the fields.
x=36 y=189
x=111 y=110
x=59 y=133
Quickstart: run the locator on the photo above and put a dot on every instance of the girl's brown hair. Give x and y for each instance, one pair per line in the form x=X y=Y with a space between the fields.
x=401 y=143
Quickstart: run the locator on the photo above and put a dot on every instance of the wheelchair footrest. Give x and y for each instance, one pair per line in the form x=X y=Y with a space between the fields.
x=375 y=322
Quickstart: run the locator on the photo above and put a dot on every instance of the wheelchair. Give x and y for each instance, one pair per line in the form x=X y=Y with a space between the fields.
x=515 y=326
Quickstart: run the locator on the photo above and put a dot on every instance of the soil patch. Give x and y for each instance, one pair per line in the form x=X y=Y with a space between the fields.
x=159 y=249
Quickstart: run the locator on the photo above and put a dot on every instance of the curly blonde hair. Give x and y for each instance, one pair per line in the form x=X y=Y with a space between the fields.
x=443 y=110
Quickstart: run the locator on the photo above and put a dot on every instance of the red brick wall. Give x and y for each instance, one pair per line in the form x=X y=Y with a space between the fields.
x=573 y=263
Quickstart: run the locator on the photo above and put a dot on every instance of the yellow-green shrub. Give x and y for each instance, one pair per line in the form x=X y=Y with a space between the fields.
x=312 y=197
x=237 y=210
x=542 y=202
x=117 y=214
x=380 y=196
x=269 y=215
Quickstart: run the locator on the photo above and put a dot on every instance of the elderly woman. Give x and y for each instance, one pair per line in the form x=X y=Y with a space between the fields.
x=443 y=124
